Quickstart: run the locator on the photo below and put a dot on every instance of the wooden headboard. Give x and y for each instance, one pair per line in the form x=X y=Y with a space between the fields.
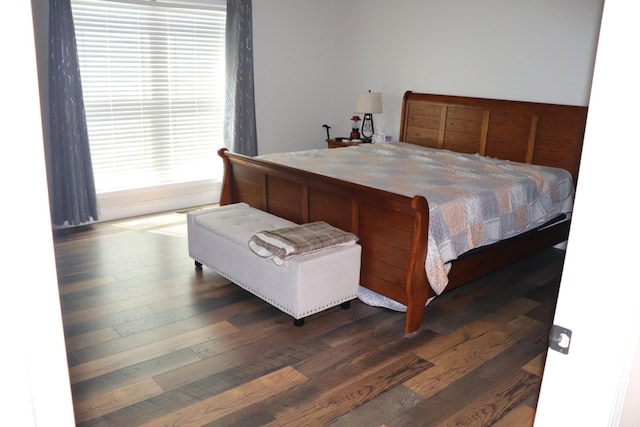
x=527 y=132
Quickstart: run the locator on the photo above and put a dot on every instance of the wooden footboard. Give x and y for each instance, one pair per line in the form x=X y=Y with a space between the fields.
x=392 y=229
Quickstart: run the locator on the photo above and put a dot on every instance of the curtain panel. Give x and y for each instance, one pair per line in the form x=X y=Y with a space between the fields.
x=240 y=117
x=71 y=185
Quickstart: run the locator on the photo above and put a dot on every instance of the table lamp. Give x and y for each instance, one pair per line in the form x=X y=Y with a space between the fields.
x=368 y=104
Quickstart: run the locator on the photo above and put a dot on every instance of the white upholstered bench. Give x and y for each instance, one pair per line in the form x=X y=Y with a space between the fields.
x=301 y=286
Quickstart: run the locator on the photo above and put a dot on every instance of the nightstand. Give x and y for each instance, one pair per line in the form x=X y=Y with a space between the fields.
x=332 y=143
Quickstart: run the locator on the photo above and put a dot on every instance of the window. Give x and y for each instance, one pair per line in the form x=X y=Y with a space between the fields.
x=153 y=84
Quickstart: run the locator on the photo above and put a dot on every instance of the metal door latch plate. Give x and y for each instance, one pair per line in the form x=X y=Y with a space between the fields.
x=559 y=339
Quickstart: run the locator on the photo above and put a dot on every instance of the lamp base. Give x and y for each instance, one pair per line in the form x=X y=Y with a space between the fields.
x=367 y=128
x=366 y=140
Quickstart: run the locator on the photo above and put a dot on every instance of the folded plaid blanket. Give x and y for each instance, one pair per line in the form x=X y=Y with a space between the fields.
x=285 y=243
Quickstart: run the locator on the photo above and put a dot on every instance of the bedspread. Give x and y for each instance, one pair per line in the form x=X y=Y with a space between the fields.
x=473 y=200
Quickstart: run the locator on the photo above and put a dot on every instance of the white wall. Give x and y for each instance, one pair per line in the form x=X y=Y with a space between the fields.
x=312 y=58
x=35 y=386
x=295 y=72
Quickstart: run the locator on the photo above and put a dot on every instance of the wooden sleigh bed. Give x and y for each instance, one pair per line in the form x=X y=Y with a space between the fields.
x=392 y=228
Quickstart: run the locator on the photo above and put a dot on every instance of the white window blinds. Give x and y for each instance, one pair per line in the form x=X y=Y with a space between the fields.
x=153 y=82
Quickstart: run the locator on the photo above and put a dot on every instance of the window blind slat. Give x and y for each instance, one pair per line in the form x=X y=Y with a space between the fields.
x=153 y=84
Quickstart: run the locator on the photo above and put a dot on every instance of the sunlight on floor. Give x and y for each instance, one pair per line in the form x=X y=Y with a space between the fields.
x=171 y=223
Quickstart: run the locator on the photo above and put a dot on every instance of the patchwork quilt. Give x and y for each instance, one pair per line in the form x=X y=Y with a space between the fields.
x=473 y=200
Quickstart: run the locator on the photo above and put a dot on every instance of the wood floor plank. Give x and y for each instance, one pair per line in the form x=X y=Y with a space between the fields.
x=481 y=306
x=536 y=365
x=485 y=287
x=150 y=409
x=82 y=285
x=285 y=350
x=171 y=269
x=123 y=292
x=199 y=307
x=108 y=402
x=94 y=269
x=366 y=342
x=352 y=392
x=549 y=291
x=500 y=374
x=443 y=343
x=243 y=357
x=106 y=348
x=73 y=317
x=275 y=343
x=151 y=301
x=234 y=400
x=521 y=416
x=357 y=331
x=527 y=274
x=117 y=361
x=199 y=288
x=90 y=339
x=165 y=299
x=110 y=320
x=467 y=356
x=244 y=418
x=495 y=404
x=210 y=384
x=133 y=373
x=389 y=406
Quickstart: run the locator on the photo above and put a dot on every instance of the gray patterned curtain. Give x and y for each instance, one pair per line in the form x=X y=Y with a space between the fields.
x=71 y=185
x=240 y=115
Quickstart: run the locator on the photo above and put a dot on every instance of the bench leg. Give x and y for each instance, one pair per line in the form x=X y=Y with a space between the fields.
x=198 y=265
x=298 y=322
x=345 y=305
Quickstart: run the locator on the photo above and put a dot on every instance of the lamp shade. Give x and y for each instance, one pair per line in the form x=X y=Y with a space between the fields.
x=369 y=103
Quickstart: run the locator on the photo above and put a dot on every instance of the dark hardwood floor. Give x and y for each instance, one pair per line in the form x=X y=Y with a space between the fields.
x=151 y=341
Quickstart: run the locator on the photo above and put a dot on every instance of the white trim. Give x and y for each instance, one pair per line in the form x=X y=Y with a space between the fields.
x=126 y=204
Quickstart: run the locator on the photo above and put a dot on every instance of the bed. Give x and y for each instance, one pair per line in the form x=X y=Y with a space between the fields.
x=393 y=227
